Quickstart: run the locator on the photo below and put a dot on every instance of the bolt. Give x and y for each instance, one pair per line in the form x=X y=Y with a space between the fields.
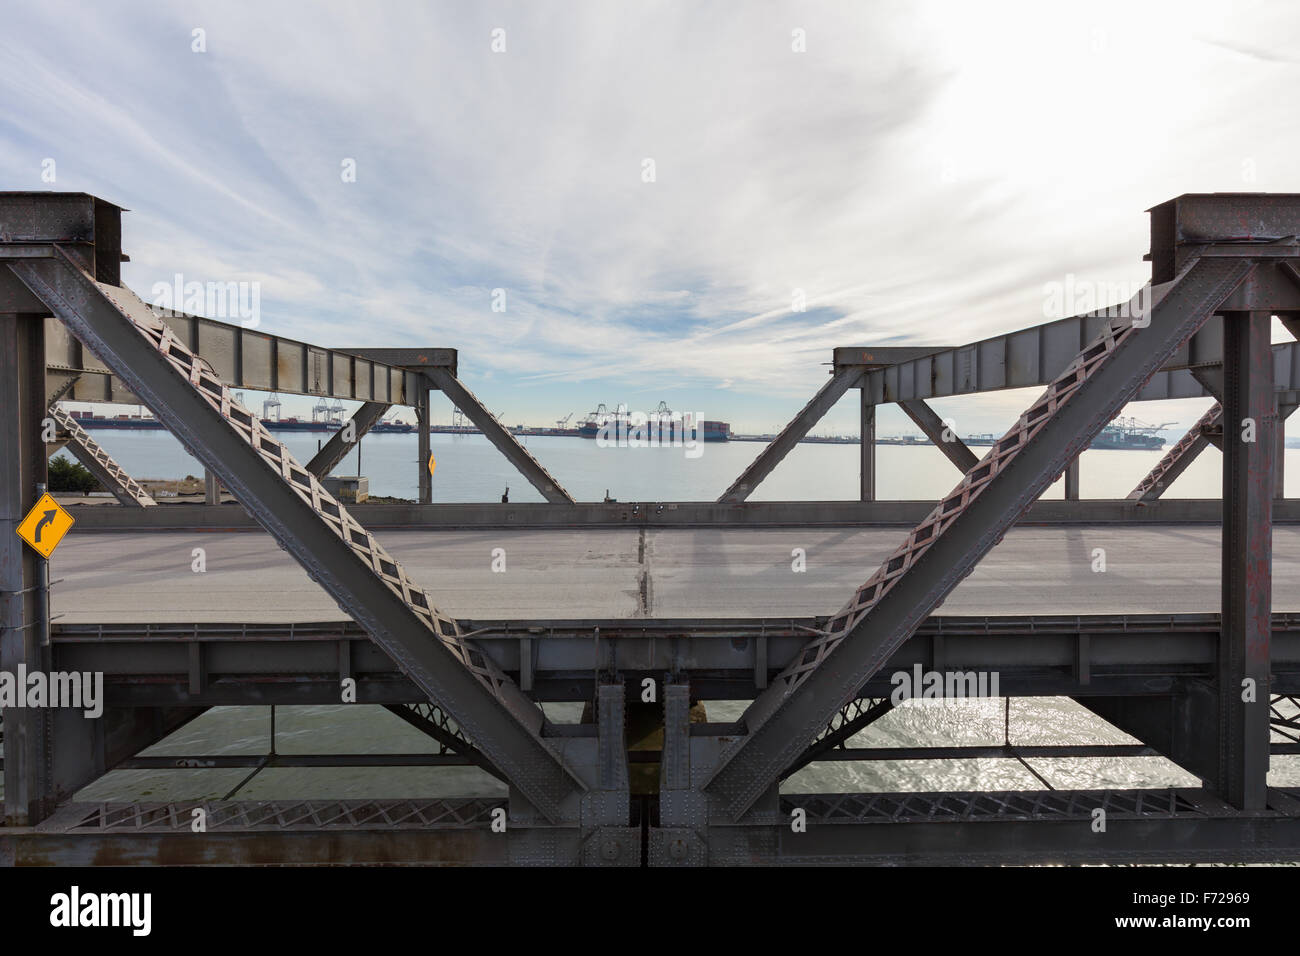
x=677 y=849
x=609 y=849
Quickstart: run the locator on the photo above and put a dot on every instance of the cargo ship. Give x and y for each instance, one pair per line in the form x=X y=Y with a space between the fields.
x=1121 y=434
x=620 y=421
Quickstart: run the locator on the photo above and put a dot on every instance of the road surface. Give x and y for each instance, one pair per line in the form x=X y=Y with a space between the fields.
x=148 y=577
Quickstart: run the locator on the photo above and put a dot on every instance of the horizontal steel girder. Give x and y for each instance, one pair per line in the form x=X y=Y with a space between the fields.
x=246 y=358
x=499 y=435
x=964 y=526
x=830 y=393
x=1033 y=357
x=100 y=463
x=292 y=505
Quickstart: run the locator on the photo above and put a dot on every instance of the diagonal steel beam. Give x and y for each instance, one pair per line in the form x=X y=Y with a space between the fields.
x=100 y=463
x=333 y=451
x=1176 y=460
x=432 y=720
x=963 y=527
x=498 y=435
x=290 y=503
x=779 y=447
x=850 y=720
x=929 y=422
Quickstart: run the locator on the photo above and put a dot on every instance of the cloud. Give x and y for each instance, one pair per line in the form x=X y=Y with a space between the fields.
x=919 y=173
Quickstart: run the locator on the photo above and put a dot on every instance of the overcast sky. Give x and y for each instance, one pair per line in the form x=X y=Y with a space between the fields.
x=920 y=171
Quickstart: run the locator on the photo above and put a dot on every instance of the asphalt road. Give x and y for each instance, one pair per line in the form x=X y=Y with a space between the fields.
x=148 y=577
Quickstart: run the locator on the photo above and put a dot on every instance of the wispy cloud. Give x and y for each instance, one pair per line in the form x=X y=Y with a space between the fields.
x=916 y=175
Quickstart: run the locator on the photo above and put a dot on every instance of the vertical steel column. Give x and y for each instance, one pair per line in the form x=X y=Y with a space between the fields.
x=868 y=447
x=1072 y=480
x=211 y=488
x=1249 y=449
x=28 y=760
x=422 y=427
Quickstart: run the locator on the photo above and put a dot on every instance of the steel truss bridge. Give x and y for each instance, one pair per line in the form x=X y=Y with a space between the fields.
x=1214 y=692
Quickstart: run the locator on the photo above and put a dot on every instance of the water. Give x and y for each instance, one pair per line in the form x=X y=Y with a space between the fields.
x=469 y=469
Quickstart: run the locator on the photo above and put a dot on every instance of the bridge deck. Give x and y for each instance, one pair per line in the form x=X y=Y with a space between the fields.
x=147 y=577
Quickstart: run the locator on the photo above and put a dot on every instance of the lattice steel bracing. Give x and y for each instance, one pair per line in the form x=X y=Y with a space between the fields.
x=1009 y=804
x=962 y=528
x=1284 y=717
x=100 y=463
x=849 y=720
x=431 y=719
x=308 y=815
x=425 y=644
x=1176 y=460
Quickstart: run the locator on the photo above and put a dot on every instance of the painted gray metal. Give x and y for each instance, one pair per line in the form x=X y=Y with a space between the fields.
x=960 y=531
x=672 y=514
x=1035 y=356
x=1247 y=579
x=242 y=358
x=188 y=397
x=27 y=756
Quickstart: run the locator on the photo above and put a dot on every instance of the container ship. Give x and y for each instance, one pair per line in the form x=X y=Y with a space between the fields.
x=620 y=421
x=1121 y=434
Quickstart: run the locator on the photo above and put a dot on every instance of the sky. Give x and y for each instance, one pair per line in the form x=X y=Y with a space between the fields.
x=917 y=173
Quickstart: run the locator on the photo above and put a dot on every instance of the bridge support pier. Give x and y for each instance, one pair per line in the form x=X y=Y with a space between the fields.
x=423 y=451
x=1249 y=450
x=868 y=448
x=24 y=624
x=1072 y=480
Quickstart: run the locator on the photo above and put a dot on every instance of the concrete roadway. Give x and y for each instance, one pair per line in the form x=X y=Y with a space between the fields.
x=147 y=577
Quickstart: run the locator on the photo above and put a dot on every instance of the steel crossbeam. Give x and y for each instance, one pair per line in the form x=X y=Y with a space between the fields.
x=498 y=435
x=840 y=382
x=290 y=503
x=961 y=529
x=100 y=463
